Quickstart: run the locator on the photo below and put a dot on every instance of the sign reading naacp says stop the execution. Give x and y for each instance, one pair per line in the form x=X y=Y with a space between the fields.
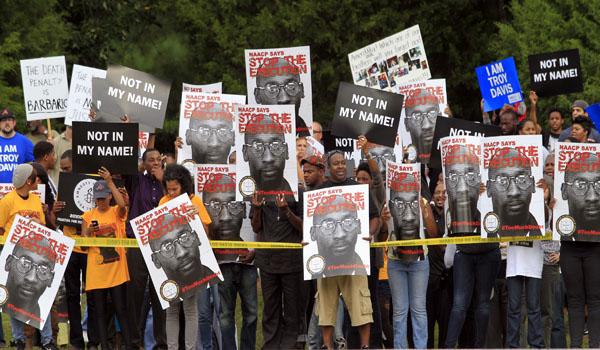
x=512 y=204
x=141 y=96
x=32 y=264
x=576 y=215
x=282 y=76
x=207 y=127
x=555 y=73
x=214 y=88
x=40 y=191
x=380 y=154
x=336 y=223
x=314 y=147
x=45 y=87
x=395 y=60
x=363 y=111
x=176 y=278
x=499 y=84
x=80 y=93
x=110 y=145
x=76 y=190
x=457 y=127
x=265 y=145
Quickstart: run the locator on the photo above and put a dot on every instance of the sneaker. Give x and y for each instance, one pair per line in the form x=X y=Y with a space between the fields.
x=19 y=345
x=50 y=346
x=340 y=344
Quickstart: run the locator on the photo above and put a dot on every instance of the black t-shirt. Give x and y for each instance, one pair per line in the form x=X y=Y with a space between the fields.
x=373 y=211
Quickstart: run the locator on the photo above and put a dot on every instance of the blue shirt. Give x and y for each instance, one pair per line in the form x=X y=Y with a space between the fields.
x=13 y=151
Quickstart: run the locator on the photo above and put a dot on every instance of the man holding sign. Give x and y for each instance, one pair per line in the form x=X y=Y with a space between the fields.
x=14 y=147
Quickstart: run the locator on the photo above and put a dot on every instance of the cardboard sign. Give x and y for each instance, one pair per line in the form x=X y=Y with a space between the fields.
x=499 y=84
x=576 y=215
x=364 y=111
x=555 y=73
x=143 y=97
x=215 y=88
x=387 y=63
x=77 y=191
x=512 y=204
x=110 y=145
x=80 y=94
x=457 y=127
x=45 y=87
x=265 y=144
x=342 y=211
x=282 y=76
x=44 y=253
x=175 y=278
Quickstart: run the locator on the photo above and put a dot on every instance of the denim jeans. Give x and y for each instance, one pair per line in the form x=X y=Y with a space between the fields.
x=408 y=284
x=239 y=279
x=533 y=286
x=472 y=273
x=18 y=330
x=208 y=302
x=553 y=295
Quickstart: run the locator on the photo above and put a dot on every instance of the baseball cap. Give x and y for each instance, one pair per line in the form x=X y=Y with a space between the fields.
x=21 y=173
x=6 y=114
x=314 y=161
x=580 y=103
x=101 y=189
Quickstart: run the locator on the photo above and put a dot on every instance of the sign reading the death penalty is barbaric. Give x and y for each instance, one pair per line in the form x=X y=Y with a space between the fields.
x=45 y=87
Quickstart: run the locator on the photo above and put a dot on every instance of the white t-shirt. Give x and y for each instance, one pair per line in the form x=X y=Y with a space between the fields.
x=525 y=261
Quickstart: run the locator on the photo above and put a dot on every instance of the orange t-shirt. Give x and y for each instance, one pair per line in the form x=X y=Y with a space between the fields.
x=106 y=266
x=204 y=217
x=12 y=205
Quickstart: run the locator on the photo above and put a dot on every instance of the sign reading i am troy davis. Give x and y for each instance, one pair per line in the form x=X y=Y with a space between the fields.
x=110 y=145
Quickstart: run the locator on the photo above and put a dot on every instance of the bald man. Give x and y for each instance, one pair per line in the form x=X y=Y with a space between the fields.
x=278 y=83
x=211 y=135
x=421 y=111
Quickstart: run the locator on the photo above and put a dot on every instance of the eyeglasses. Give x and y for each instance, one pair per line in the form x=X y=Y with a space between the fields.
x=277 y=148
x=328 y=226
x=523 y=182
x=472 y=179
x=184 y=239
x=223 y=134
x=233 y=208
x=420 y=116
x=580 y=187
x=401 y=205
x=24 y=265
x=272 y=90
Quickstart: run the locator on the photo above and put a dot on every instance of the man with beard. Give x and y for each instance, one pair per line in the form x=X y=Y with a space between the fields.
x=283 y=89
x=266 y=153
x=510 y=187
x=421 y=111
x=336 y=232
x=581 y=190
x=15 y=148
x=475 y=265
x=211 y=135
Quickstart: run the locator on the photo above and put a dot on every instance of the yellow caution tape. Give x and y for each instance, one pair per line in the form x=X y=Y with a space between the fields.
x=459 y=240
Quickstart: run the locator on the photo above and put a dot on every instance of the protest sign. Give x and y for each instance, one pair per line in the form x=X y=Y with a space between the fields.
x=499 y=84
x=215 y=88
x=282 y=76
x=512 y=204
x=555 y=73
x=76 y=190
x=206 y=125
x=32 y=265
x=143 y=138
x=380 y=154
x=265 y=144
x=45 y=87
x=461 y=156
x=594 y=112
x=80 y=94
x=314 y=147
x=403 y=190
x=110 y=145
x=387 y=63
x=457 y=127
x=576 y=215
x=156 y=232
x=215 y=184
x=40 y=191
x=139 y=95
x=342 y=212
x=424 y=101
x=364 y=111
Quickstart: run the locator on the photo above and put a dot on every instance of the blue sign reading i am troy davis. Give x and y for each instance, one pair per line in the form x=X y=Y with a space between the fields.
x=499 y=84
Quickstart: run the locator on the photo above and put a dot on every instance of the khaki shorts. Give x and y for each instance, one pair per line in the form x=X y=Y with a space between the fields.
x=356 y=294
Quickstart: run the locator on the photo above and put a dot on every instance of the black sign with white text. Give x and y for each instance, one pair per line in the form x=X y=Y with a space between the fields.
x=555 y=73
x=77 y=191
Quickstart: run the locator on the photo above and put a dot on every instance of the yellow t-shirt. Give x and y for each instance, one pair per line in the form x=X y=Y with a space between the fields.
x=106 y=266
x=204 y=217
x=13 y=204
